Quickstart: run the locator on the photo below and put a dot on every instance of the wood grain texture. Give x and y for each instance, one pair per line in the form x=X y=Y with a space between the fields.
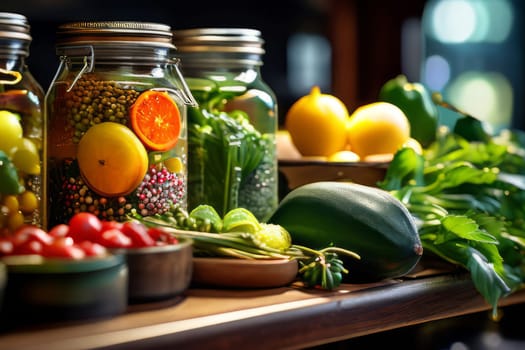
x=277 y=318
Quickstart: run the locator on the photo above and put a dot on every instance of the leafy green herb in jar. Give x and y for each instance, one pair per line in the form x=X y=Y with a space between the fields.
x=228 y=158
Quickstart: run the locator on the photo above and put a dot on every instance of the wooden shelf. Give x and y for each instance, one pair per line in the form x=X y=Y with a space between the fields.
x=278 y=318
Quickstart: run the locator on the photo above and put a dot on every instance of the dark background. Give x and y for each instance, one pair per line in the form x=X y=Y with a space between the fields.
x=365 y=35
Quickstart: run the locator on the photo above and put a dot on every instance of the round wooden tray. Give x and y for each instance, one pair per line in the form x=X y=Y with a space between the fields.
x=241 y=273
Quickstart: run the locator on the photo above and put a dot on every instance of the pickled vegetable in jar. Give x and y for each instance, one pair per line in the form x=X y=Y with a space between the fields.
x=116 y=123
x=21 y=104
x=232 y=149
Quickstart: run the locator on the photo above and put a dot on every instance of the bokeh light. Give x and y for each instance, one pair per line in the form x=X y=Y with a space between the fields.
x=437 y=72
x=462 y=21
x=486 y=96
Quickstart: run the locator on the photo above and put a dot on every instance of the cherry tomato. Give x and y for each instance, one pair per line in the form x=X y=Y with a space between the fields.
x=138 y=234
x=63 y=247
x=84 y=227
x=114 y=238
x=162 y=237
x=29 y=247
x=107 y=224
x=30 y=233
x=92 y=249
x=60 y=230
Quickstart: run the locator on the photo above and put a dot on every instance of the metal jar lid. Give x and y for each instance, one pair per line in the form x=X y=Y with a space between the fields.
x=14 y=34
x=115 y=33
x=221 y=45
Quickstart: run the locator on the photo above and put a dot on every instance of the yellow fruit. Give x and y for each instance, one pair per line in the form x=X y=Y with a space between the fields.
x=174 y=164
x=28 y=202
x=316 y=123
x=112 y=160
x=26 y=157
x=377 y=128
x=10 y=130
x=344 y=156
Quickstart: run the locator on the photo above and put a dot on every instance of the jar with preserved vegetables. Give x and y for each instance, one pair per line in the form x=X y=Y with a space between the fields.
x=232 y=133
x=21 y=110
x=116 y=123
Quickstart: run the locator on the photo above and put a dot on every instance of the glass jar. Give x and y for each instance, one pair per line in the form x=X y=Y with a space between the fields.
x=21 y=104
x=232 y=133
x=116 y=123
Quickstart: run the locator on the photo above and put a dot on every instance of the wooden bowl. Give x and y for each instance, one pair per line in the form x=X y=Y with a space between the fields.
x=158 y=272
x=296 y=172
x=243 y=273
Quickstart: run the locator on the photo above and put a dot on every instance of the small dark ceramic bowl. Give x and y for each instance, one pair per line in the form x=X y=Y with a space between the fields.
x=43 y=290
x=158 y=272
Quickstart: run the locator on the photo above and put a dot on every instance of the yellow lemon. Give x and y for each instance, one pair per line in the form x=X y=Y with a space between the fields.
x=377 y=128
x=316 y=123
x=344 y=156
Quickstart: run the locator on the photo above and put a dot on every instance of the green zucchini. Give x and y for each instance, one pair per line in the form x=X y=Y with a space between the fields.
x=366 y=220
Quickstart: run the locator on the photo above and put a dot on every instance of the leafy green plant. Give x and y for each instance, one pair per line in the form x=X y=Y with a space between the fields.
x=226 y=154
x=468 y=199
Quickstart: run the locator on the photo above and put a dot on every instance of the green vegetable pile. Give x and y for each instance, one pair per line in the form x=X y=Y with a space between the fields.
x=466 y=192
x=239 y=234
x=230 y=163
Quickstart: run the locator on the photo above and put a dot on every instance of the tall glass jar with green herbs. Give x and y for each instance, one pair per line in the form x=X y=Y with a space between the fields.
x=116 y=123
x=21 y=110
x=232 y=133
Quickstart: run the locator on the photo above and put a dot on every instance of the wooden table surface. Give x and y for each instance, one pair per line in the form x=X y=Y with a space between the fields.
x=278 y=318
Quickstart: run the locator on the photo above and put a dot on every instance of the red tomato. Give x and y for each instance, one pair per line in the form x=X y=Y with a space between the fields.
x=106 y=225
x=138 y=234
x=92 y=248
x=63 y=247
x=84 y=227
x=29 y=247
x=60 y=230
x=30 y=233
x=114 y=238
x=161 y=236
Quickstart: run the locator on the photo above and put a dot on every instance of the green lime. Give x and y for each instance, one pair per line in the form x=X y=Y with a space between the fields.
x=207 y=213
x=274 y=236
x=240 y=220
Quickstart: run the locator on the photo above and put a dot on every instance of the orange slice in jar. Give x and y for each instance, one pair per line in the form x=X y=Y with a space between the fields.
x=156 y=120
x=111 y=159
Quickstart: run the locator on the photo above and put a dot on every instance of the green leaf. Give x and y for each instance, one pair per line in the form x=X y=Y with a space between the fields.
x=460 y=173
x=484 y=276
x=465 y=227
x=406 y=166
x=486 y=280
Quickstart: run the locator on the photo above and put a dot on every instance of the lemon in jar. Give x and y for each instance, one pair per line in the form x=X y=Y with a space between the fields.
x=10 y=130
